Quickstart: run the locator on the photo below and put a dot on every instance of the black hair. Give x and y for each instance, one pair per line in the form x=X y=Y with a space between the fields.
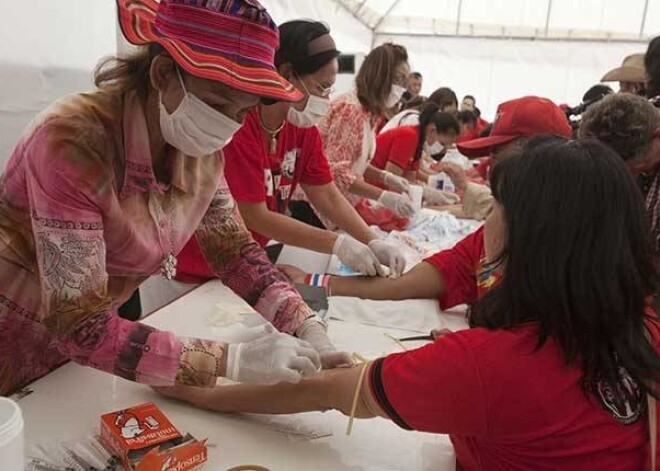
x=444 y=122
x=591 y=96
x=652 y=65
x=443 y=97
x=470 y=97
x=485 y=132
x=577 y=261
x=467 y=117
x=477 y=112
x=597 y=92
x=416 y=75
x=295 y=37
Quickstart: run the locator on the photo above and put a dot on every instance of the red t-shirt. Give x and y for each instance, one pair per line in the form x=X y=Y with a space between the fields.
x=469 y=135
x=398 y=146
x=507 y=406
x=466 y=275
x=473 y=133
x=483 y=169
x=255 y=176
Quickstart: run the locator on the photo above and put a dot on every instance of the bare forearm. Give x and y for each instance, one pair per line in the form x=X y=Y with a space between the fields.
x=374 y=175
x=423 y=175
x=282 y=398
x=361 y=188
x=331 y=203
x=289 y=231
x=422 y=282
x=331 y=389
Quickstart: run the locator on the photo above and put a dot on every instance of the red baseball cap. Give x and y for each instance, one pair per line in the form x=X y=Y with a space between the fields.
x=523 y=117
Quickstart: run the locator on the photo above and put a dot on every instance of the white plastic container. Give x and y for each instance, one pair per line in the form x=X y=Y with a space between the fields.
x=453 y=156
x=12 y=447
x=416 y=193
x=441 y=181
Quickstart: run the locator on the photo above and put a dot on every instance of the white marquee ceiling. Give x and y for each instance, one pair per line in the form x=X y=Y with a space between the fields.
x=616 y=20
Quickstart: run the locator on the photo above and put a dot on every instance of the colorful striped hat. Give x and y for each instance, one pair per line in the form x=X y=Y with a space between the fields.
x=228 y=41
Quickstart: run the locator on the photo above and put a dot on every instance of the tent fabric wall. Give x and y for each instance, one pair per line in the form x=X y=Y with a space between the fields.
x=350 y=34
x=47 y=49
x=53 y=52
x=496 y=70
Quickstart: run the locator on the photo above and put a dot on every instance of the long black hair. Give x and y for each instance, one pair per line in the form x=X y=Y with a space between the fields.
x=652 y=65
x=295 y=37
x=578 y=260
x=444 y=122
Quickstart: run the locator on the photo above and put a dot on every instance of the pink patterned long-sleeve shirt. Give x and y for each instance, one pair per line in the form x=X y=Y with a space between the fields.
x=83 y=221
x=349 y=142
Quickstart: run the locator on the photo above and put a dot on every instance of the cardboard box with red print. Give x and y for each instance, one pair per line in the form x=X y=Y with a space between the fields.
x=145 y=440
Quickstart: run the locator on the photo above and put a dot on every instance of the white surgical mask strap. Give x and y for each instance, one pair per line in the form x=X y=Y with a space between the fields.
x=309 y=95
x=178 y=74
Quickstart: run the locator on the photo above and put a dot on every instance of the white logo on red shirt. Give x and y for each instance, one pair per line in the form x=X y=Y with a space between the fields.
x=625 y=406
x=268 y=181
x=289 y=163
x=285 y=192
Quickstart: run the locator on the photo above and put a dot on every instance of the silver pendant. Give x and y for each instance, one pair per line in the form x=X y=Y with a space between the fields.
x=168 y=266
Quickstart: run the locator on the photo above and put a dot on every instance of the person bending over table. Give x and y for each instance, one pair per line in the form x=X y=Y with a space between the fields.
x=105 y=188
x=279 y=148
x=399 y=151
x=517 y=121
x=458 y=275
x=349 y=136
x=562 y=351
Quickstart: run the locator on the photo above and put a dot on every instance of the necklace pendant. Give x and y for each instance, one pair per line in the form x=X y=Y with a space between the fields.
x=168 y=266
x=273 y=145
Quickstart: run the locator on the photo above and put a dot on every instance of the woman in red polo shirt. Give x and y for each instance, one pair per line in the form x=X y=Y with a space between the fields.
x=278 y=149
x=555 y=371
x=399 y=150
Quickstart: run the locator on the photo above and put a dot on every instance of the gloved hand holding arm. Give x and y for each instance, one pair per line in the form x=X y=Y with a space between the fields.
x=313 y=330
x=395 y=182
x=400 y=204
x=439 y=197
x=271 y=358
x=357 y=255
x=389 y=254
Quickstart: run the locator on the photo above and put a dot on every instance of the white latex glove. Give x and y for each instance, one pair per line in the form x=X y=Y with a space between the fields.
x=401 y=205
x=439 y=197
x=395 y=182
x=389 y=254
x=271 y=359
x=250 y=333
x=314 y=331
x=356 y=255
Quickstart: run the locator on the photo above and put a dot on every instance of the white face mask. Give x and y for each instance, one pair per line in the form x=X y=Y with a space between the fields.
x=396 y=93
x=315 y=109
x=195 y=128
x=434 y=148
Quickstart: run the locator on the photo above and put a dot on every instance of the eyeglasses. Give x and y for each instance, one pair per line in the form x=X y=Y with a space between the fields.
x=321 y=91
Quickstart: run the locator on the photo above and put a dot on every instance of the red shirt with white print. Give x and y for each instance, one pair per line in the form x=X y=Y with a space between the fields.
x=254 y=176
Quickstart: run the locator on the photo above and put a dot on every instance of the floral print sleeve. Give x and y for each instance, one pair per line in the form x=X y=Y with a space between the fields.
x=67 y=205
x=244 y=267
x=343 y=132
